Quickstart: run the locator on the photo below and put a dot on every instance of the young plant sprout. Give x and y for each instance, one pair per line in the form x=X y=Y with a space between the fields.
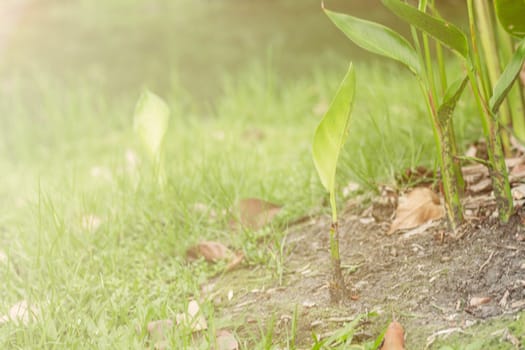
x=330 y=137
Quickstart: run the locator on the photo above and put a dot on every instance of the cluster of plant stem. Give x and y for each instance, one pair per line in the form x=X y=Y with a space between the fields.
x=492 y=54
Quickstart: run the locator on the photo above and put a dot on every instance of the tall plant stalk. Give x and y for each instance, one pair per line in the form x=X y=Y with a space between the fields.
x=492 y=64
x=491 y=126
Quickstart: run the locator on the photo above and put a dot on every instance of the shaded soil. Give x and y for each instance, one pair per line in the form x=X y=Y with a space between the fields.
x=427 y=280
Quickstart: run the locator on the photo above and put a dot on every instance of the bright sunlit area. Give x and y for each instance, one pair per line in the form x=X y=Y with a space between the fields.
x=262 y=174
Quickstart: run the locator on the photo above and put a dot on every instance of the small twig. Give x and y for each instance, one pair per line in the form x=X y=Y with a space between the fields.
x=487 y=261
x=445 y=332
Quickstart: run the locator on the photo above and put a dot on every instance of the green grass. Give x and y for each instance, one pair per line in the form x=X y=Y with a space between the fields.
x=64 y=159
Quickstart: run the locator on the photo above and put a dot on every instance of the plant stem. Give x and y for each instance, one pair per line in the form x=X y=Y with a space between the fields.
x=447 y=161
x=491 y=128
x=337 y=287
x=490 y=53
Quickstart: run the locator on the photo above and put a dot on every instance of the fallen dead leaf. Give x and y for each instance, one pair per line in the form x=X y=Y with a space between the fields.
x=210 y=251
x=477 y=301
x=22 y=312
x=394 y=337
x=226 y=341
x=192 y=318
x=416 y=208
x=518 y=192
x=518 y=171
x=254 y=213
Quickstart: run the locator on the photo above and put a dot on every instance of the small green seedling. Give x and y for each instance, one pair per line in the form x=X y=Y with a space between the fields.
x=329 y=138
x=150 y=124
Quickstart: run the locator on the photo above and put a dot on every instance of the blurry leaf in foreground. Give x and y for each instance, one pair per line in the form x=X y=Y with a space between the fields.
x=192 y=318
x=416 y=208
x=226 y=341
x=210 y=251
x=151 y=122
x=394 y=337
x=255 y=213
x=21 y=312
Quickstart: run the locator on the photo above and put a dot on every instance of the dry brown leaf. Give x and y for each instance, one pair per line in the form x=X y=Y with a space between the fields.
x=477 y=301
x=210 y=251
x=256 y=213
x=394 y=337
x=22 y=312
x=226 y=341
x=518 y=171
x=416 y=208
x=192 y=318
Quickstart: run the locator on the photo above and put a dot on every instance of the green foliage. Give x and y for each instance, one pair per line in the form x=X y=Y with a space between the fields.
x=331 y=133
x=377 y=39
x=443 y=31
x=510 y=14
x=507 y=78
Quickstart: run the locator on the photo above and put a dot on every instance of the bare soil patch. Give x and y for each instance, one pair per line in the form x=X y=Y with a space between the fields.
x=429 y=280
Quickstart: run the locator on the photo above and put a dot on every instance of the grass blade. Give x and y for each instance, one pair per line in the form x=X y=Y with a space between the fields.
x=507 y=78
x=377 y=39
x=332 y=131
x=445 y=32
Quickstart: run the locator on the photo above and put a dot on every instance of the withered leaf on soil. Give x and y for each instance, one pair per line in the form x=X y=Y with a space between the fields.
x=394 y=337
x=213 y=252
x=416 y=208
x=254 y=213
x=226 y=341
x=477 y=301
x=210 y=251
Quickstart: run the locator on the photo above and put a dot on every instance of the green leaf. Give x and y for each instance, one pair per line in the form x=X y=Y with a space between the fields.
x=450 y=100
x=377 y=39
x=151 y=122
x=443 y=31
x=507 y=78
x=332 y=131
x=511 y=15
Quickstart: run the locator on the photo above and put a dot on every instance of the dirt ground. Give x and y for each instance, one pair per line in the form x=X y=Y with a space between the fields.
x=427 y=279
